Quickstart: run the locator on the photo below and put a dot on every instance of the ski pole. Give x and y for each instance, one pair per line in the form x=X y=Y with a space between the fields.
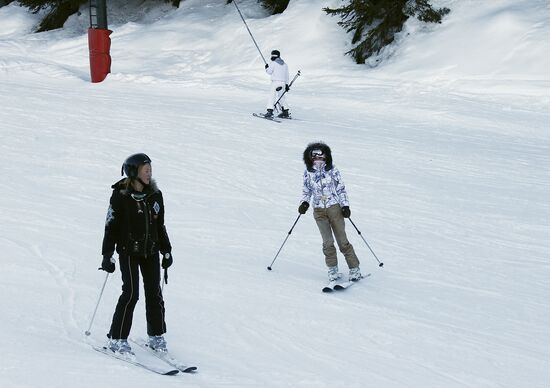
x=279 y=251
x=380 y=264
x=165 y=279
x=289 y=85
x=254 y=40
x=87 y=332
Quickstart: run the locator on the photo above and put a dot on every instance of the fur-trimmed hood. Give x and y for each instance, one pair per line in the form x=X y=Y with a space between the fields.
x=317 y=146
x=122 y=186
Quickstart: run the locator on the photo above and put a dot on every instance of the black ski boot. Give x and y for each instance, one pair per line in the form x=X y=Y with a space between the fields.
x=269 y=113
x=284 y=114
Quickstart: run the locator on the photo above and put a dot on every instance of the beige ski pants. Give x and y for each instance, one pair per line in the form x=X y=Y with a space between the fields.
x=330 y=220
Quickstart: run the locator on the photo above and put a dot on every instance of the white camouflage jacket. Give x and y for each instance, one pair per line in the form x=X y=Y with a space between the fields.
x=278 y=70
x=326 y=188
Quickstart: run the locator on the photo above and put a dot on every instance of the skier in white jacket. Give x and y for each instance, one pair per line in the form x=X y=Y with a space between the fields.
x=278 y=70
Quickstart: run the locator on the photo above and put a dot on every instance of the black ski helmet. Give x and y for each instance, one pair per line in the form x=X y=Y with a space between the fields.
x=276 y=53
x=132 y=163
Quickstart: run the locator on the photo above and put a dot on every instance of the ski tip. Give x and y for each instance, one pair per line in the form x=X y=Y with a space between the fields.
x=172 y=372
x=191 y=369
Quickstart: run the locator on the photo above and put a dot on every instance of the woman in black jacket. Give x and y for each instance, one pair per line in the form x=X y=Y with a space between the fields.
x=135 y=228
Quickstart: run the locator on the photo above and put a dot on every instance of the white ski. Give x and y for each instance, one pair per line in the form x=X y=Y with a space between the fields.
x=338 y=285
x=343 y=285
x=330 y=286
x=139 y=361
x=165 y=356
x=262 y=116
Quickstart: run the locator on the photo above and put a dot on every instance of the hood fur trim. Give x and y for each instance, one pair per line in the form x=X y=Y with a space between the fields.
x=317 y=146
x=123 y=186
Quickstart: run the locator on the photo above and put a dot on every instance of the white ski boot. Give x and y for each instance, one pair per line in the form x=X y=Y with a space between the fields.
x=355 y=274
x=333 y=274
x=121 y=347
x=157 y=343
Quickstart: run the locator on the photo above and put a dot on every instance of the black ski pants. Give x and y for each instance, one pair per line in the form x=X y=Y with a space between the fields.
x=154 y=304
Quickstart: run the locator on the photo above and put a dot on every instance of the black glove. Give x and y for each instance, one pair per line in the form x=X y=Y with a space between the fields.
x=303 y=207
x=287 y=88
x=266 y=65
x=107 y=265
x=167 y=260
x=346 y=212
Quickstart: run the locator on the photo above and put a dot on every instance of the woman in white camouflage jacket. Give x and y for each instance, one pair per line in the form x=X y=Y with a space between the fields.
x=323 y=186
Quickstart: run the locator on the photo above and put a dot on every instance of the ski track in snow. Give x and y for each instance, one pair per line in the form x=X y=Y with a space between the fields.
x=294 y=286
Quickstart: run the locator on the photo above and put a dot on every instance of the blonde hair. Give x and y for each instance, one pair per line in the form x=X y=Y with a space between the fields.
x=127 y=183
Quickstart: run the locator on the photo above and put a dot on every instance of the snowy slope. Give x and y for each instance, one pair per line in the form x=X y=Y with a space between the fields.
x=445 y=158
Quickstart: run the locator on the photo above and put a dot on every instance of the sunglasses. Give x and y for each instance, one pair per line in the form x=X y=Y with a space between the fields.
x=317 y=154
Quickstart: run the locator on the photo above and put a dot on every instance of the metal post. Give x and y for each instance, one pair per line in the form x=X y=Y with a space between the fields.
x=102 y=14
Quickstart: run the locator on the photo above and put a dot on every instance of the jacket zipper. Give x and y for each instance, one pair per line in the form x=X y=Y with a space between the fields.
x=323 y=198
x=146 y=212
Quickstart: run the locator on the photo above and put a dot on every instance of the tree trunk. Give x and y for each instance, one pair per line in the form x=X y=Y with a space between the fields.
x=59 y=15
